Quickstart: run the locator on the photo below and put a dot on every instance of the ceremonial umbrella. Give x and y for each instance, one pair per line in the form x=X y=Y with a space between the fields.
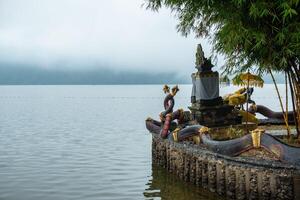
x=248 y=79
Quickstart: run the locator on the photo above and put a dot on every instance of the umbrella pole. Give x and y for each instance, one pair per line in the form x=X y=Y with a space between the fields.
x=286 y=104
x=247 y=105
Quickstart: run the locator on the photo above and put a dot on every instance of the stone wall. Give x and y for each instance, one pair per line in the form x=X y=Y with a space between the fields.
x=233 y=177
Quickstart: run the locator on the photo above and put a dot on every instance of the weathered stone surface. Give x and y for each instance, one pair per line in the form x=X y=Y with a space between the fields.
x=241 y=193
x=266 y=186
x=193 y=169
x=230 y=182
x=233 y=177
x=199 y=171
x=253 y=192
x=204 y=173
x=284 y=187
x=221 y=179
x=186 y=167
x=212 y=176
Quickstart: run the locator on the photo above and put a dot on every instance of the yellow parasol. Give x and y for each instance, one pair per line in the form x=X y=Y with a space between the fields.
x=248 y=79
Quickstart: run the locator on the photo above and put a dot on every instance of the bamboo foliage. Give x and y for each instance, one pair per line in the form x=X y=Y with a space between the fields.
x=253 y=35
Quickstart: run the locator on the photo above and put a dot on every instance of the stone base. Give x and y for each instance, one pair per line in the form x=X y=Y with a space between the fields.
x=214 y=116
x=233 y=177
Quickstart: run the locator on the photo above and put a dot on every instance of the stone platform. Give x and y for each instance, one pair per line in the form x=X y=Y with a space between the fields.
x=231 y=177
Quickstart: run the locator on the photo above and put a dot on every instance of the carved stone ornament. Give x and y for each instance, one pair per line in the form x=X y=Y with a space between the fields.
x=200 y=59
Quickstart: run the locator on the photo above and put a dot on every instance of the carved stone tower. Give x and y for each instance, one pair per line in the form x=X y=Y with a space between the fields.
x=208 y=107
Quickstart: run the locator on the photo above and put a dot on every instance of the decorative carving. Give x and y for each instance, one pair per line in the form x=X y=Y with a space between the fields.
x=166 y=89
x=203 y=130
x=199 y=57
x=256 y=137
x=202 y=64
x=174 y=90
x=175 y=134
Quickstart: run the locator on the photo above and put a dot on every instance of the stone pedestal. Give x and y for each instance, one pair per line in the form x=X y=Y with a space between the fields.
x=214 y=116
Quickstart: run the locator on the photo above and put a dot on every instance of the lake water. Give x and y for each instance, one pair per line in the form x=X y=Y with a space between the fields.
x=89 y=142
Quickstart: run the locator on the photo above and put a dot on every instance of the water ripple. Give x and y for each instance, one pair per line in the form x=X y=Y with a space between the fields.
x=85 y=142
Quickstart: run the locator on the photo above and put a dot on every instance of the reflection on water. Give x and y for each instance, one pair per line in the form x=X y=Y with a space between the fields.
x=166 y=186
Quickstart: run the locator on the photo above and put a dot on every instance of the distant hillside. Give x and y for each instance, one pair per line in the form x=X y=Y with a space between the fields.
x=27 y=75
x=13 y=75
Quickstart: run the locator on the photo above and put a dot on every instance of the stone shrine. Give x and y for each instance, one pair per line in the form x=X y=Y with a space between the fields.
x=208 y=108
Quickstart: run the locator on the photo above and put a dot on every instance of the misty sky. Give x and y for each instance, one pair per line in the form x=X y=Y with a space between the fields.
x=119 y=34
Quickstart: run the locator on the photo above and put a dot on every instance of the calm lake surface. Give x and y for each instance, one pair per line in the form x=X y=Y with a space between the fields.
x=89 y=142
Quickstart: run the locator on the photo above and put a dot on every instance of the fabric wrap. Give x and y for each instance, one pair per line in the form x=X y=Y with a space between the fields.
x=205 y=88
x=194 y=87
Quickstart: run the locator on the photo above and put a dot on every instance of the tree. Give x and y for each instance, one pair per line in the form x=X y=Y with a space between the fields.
x=256 y=35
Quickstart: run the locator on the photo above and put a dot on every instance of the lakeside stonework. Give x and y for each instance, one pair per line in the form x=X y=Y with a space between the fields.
x=231 y=177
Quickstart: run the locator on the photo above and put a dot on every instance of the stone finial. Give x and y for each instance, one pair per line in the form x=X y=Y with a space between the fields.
x=200 y=59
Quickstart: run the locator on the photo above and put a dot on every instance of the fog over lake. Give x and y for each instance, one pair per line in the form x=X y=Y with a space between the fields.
x=74 y=34
x=93 y=42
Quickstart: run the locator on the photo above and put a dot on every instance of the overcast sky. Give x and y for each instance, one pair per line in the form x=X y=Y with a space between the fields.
x=119 y=34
